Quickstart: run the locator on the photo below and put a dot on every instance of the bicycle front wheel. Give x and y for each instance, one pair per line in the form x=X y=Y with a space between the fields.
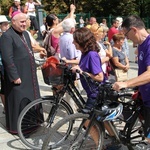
x=34 y=120
x=79 y=138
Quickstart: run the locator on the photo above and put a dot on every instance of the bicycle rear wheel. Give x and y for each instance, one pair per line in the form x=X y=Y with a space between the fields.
x=77 y=139
x=33 y=122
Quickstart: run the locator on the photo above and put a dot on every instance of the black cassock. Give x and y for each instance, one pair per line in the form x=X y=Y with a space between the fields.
x=18 y=60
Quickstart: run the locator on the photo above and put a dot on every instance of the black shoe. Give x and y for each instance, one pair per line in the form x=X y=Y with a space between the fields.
x=142 y=146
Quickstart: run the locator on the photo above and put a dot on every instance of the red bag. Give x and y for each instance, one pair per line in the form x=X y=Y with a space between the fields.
x=52 y=73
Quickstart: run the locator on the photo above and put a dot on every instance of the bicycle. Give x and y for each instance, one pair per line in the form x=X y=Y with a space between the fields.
x=81 y=136
x=38 y=116
x=50 y=108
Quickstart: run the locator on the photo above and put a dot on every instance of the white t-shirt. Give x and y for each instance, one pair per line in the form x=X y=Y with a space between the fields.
x=30 y=7
x=102 y=55
x=33 y=41
x=42 y=28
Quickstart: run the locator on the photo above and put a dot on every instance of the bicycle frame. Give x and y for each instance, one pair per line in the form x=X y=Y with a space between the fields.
x=88 y=127
x=75 y=95
x=71 y=89
x=68 y=87
x=124 y=136
x=104 y=97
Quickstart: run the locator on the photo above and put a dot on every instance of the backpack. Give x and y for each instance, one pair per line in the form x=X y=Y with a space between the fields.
x=47 y=44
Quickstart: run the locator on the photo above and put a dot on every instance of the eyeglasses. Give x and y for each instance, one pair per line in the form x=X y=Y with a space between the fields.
x=127 y=32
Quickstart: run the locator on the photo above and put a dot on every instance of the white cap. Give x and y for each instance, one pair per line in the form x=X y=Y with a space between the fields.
x=3 y=19
x=16 y=0
x=120 y=19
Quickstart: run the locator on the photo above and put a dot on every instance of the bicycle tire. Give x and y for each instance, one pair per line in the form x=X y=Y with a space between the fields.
x=132 y=132
x=58 y=130
x=32 y=131
x=135 y=133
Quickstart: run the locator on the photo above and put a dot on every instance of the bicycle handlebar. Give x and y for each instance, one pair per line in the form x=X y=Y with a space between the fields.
x=103 y=87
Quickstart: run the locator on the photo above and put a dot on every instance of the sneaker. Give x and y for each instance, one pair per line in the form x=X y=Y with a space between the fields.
x=142 y=146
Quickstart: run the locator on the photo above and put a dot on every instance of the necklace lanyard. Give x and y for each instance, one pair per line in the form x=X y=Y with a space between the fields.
x=23 y=39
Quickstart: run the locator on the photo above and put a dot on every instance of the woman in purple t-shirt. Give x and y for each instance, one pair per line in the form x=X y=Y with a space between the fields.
x=90 y=62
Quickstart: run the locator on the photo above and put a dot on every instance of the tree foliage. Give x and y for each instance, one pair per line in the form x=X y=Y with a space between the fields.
x=95 y=7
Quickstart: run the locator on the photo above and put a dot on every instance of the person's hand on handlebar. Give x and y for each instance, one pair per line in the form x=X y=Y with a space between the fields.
x=64 y=59
x=119 y=85
x=76 y=69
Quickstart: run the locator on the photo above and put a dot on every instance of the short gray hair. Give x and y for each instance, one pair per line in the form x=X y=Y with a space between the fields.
x=67 y=24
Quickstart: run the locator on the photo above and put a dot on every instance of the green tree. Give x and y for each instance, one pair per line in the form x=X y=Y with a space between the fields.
x=97 y=8
x=6 y=4
x=55 y=6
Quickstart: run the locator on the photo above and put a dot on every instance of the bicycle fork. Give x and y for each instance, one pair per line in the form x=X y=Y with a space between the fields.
x=114 y=130
x=52 y=113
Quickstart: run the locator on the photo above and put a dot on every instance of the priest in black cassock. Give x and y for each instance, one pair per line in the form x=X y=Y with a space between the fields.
x=20 y=70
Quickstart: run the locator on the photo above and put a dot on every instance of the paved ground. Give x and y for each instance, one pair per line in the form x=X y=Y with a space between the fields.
x=10 y=142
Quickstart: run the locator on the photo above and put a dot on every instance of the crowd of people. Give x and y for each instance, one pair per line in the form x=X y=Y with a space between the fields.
x=99 y=51
x=29 y=9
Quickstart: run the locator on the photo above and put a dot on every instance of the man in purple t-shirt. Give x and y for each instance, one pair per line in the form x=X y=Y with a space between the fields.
x=134 y=29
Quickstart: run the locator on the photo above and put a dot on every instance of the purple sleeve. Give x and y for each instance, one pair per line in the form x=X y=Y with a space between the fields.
x=95 y=64
x=147 y=56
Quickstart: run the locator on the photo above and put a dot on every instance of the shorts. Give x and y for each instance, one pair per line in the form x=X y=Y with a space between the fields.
x=90 y=103
x=34 y=23
x=147 y=121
